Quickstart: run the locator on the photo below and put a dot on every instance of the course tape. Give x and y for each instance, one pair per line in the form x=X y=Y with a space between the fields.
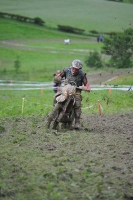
x=100 y=108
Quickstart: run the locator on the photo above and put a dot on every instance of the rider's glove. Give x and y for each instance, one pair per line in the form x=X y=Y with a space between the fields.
x=85 y=88
x=57 y=79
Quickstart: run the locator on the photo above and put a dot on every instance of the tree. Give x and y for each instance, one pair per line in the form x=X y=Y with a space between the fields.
x=120 y=47
x=38 y=21
x=94 y=60
x=17 y=64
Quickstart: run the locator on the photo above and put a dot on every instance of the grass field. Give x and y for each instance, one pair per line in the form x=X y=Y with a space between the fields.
x=123 y=80
x=41 y=52
x=99 y=15
x=40 y=104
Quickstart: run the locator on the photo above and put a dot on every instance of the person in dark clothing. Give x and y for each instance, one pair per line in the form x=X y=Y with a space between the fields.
x=75 y=73
x=101 y=38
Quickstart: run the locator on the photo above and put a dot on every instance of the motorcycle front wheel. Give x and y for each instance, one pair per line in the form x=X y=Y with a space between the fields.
x=51 y=122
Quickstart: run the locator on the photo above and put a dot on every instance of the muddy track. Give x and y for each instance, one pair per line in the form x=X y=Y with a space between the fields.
x=95 y=162
x=102 y=148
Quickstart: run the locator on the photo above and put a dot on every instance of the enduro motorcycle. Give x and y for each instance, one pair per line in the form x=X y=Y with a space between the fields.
x=63 y=110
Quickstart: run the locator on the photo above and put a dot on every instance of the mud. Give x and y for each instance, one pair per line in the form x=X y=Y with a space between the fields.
x=95 y=162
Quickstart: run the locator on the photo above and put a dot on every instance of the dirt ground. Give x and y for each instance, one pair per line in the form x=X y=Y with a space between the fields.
x=95 y=162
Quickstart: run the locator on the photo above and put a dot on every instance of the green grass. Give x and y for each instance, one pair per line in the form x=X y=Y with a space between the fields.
x=100 y=15
x=41 y=52
x=37 y=103
x=34 y=65
x=11 y=29
x=123 y=80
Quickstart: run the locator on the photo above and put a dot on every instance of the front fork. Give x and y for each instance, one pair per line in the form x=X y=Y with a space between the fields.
x=64 y=109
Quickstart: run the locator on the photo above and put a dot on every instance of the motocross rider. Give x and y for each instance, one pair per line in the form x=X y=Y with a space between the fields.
x=75 y=73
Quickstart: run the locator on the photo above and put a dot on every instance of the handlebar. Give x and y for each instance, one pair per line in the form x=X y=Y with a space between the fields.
x=73 y=83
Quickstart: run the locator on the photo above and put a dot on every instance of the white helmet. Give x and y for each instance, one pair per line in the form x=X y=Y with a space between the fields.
x=76 y=66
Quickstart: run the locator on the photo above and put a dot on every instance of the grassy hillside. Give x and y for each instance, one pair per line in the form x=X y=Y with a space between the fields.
x=40 y=51
x=11 y=29
x=100 y=15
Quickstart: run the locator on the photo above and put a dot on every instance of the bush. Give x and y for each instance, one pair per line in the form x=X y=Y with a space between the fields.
x=94 y=60
x=17 y=64
x=20 y=18
x=38 y=21
x=70 y=29
x=94 y=32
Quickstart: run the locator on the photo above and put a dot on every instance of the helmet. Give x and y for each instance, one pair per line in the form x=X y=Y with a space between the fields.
x=76 y=66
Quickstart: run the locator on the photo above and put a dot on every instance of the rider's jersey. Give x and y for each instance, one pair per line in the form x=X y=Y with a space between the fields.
x=78 y=79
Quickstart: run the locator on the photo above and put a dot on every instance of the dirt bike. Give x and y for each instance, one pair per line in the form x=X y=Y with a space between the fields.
x=63 y=110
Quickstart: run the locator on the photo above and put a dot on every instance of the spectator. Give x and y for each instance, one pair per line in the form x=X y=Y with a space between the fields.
x=101 y=38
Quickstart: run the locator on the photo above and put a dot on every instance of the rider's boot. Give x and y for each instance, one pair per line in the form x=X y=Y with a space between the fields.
x=77 y=123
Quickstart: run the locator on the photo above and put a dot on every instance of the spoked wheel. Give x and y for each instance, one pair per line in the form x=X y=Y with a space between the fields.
x=51 y=122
